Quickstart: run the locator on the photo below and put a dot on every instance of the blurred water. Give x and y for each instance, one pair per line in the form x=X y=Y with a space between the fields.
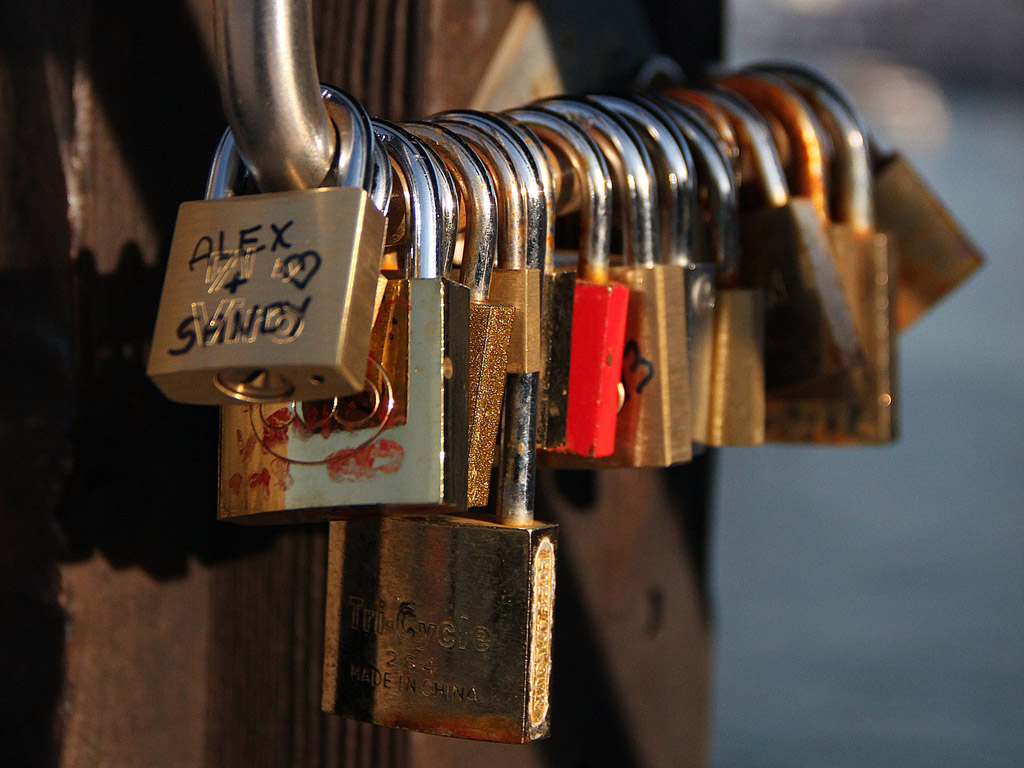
x=870 y=602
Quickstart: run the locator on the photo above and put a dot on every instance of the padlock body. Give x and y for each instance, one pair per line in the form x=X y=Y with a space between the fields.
x=859 y=405
x=598 y=338
x=809 y=327
x=441 y=625
x=490 y=328
x=737 y=409
x=935 y=254
x=268 y=297
x=557 y=329
x=270 y=474
x=654 y=426
x=700 y=344
x=521 y=288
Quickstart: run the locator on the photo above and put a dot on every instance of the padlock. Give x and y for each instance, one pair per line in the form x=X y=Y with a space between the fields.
x=490 y=324
x=458 y=642
x=809 y=326
x=599 y=312
x=862 y=405
x=935 y=254
x=730 y=409
x=269 y=297
x=557 y=309
x=403 y=441
x=678 y=194
x=512 y=282
x=651 y=429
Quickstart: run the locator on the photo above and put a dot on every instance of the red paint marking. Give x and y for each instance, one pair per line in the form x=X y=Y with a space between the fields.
x=260 y=478
x=379 y=456
x=283 y=478
x=235 y=483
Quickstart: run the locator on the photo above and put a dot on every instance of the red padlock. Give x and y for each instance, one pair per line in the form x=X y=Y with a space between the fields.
x=599 y=307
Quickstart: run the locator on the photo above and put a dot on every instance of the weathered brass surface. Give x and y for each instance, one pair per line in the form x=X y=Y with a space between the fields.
x=520 y=288
x=700 y=344
x=934 y=252
x=268 y=297
x=273 y=469
x=652 y=426
x=737 y=408
x=860 y=405
x=810 y=332
x=489 y=328
x=441 y=625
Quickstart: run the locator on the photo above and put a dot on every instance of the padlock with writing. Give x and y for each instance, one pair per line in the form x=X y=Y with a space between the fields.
x=651 y=429
x=269 y=296
x=490 y=324
x=809 y=326
x=444 y=625
x=403 y=441
x=600 y=306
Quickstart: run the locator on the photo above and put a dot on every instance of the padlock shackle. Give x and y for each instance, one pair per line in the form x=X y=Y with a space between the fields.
x=477 y=200
x=517 y=182
x=427 y=219
x=512 y=220
x=722 y=128
x=852 y=196
x=632 y=169
x=532 y=183
x=542 y=166
x=807 y=139
x=756 y=140
x=715 y=175
x=360 y=166
x=674 y=157
x=266 y=69
x=592 y=179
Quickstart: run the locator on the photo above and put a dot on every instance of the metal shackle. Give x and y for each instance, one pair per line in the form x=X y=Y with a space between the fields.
x=682 y=202
x=756 y=137
x=426 y=218
x=722 y=201
x=355 y=168
x=632 y=168
x=476 y=193
x=593 y=180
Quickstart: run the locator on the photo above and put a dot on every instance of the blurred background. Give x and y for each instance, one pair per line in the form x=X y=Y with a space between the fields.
x=869 y=602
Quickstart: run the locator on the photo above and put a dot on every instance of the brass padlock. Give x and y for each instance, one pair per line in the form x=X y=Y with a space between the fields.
x=861 y=407
x=587 y=421
x=490 y=324
x=457 y=643
x=512 y=283
x=935 y=254
x=651 y=429
x=810 y=331
x=404 y=440
x=678 y=193
x=736 y=400
x=557 y=308
x=269 y=297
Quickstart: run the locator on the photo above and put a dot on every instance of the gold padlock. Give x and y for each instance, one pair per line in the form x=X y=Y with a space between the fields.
x=736 y=401
x=269 y=297
x=651 y=426
x=490 y=324
x=407 y=445
x=512 y=283
x=458 y=643
x=862 y=406
x=803 y=288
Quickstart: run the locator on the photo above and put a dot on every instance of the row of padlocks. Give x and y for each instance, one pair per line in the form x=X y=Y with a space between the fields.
x=586 y=282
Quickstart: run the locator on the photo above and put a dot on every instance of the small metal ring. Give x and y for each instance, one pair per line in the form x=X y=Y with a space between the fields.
x=355 y=449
